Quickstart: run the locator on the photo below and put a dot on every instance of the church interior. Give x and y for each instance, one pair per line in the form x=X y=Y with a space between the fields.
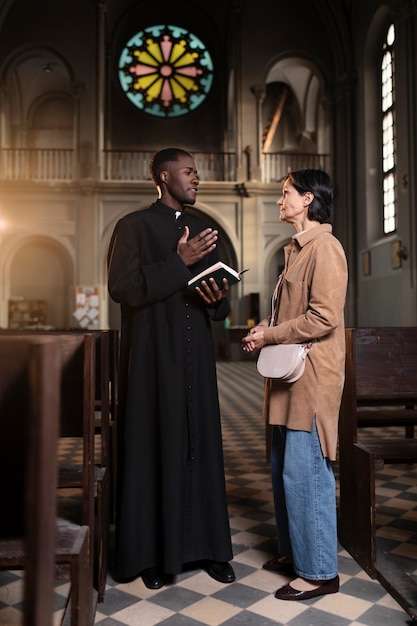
x=90 y=90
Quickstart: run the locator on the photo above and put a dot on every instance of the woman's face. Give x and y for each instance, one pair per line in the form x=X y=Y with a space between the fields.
x=293 y=207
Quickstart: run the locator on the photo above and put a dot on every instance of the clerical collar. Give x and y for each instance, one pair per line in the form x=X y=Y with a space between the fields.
x=177 y=214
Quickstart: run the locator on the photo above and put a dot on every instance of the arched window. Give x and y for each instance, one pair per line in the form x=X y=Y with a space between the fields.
x=166 y=71
x=388 y=132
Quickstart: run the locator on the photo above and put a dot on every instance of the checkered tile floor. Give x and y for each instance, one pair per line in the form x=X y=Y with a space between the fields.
x=195 y=599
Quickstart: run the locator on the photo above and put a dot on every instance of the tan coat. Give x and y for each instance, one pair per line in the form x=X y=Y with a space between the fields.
x=311 y=306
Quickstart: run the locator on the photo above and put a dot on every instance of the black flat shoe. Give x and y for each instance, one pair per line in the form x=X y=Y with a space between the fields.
x=222 y=572
x=289 y=593
x=153 y=578
x=279 y=564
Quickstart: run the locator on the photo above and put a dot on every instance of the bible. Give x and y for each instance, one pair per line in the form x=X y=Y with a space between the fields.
x=218 y=271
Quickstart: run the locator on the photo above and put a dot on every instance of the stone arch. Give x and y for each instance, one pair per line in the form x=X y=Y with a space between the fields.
x=41 y=268
x=294 y=89
x=51 y=122
x=31 y=77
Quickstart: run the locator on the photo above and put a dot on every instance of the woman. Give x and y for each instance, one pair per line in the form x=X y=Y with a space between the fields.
x=309 y=306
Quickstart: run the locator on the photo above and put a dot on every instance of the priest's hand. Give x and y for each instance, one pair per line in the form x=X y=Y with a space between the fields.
x=192 y=250
x=210 y=292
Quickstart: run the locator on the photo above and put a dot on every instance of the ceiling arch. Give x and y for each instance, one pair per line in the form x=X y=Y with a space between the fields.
x=300 y=95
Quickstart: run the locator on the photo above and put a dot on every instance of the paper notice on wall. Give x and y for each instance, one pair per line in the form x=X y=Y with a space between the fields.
x=87 y=306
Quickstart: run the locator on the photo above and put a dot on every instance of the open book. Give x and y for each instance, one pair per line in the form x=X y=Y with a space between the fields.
x=218 y=271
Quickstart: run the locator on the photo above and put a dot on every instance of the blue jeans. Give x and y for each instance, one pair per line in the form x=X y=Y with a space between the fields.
x=304 y=491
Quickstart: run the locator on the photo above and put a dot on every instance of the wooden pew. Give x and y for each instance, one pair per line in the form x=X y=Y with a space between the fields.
x=106 y=405
x=77 y=419
x=31 y=537
x=100 y=382
x=101 y=385
x=380 y=389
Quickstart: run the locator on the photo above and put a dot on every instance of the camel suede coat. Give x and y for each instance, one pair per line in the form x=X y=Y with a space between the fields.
x=311 y=307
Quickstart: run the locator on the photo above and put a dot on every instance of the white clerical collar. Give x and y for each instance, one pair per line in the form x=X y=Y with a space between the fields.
x=177 y=214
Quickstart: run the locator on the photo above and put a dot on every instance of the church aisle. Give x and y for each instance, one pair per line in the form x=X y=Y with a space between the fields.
x=195 y=599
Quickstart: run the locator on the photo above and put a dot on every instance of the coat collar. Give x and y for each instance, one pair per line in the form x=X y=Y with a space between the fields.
x=167 y=210
x=308 y=235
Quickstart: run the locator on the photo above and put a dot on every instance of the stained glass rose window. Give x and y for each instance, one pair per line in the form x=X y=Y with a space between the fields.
x=166 y=71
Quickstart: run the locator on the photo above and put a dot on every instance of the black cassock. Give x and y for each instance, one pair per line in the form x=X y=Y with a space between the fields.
x=171 y=491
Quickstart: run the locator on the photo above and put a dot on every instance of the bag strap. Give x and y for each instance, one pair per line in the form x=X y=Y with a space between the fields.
x=275 y=300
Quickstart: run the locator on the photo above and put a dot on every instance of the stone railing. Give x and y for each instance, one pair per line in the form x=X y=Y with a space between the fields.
x=124 y=165
x=276 y=165
x=129 y=165
x=37 y=164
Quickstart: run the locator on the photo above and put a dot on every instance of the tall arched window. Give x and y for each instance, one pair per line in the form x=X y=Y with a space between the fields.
x=388 y=132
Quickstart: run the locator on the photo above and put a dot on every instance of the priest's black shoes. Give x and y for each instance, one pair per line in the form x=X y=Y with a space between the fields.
x=153 y=578
x=326 y=586
x=220 y=571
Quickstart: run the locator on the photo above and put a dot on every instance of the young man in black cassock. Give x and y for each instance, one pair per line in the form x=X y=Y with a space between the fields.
x=172 y=506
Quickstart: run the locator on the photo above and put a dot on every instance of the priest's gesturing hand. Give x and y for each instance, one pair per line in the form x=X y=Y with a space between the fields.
x=192 y=250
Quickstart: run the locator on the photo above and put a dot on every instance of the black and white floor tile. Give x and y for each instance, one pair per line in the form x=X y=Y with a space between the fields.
x=195 y=599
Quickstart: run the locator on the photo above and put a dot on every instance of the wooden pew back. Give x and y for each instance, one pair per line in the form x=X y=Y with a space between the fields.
x=380 y=389
x=385 y=362
x=98 y=352
x=29 y=421
x=381 y=380
x=77 y=389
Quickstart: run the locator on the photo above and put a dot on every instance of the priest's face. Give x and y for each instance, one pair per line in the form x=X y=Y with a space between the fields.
x=179 y=182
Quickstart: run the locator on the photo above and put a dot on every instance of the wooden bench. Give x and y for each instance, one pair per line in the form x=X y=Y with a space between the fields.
x=101 y=386
x=380 y=390
x=102 y=413
x=77 y=420
x=31 y=537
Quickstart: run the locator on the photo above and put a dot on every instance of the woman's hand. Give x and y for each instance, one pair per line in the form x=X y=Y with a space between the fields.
x=254 y=340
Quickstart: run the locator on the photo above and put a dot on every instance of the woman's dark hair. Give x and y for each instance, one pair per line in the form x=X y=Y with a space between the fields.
x=160 y=158
x=321 y=186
